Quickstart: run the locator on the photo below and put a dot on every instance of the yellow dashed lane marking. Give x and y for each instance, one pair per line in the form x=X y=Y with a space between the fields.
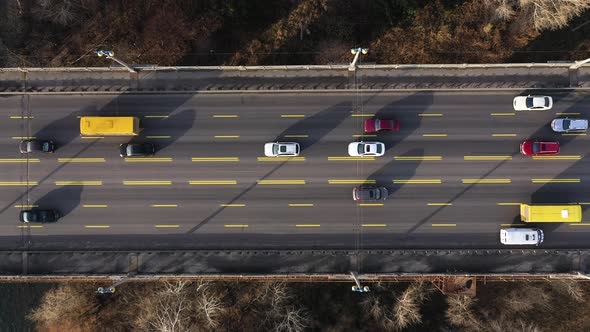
x=280 y=182
x=508 y=204
x=370 y=204
x=148 y=160
x=439 y=204
x=164 y=205
x=584 y=203
x=574 y=134
x=502 y=114
x=362 y=115
x=418 y=158
x=567 y=113
x=10 y=161
x=227 y=136
x=555 y=180
x=444 y=225
x=167 y=226
x=146 y=183
x=292 y=115
x=25 y=206
x=212 y=159
x=300 y=204
x=232 y=205
x=235 y=226
x=558 y=157
x=157 y=136
x=91 y=137
x=212 y=182
x=78 y=183
x=579 y=224
x=81 y=160
x=95 y=205
x=21 y=117
x=30 y=226
x=23 y=137
x=18 y=183
x=486 y=181
x=97 y=226
x=225 y=116
x=156 y=116
x=374 y=225
x=296 y=136
x=430 y=114
x=434 y=135
x=351 y=158
x=486 y=158
x=307 y=225
x=281 y=158
x=363 y=135
x=503 y=135
x=512 y=225
x=351 y=181
x=422 y=181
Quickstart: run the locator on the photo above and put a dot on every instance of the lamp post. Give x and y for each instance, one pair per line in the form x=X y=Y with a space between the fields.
x=111 y=55
x=356 y=52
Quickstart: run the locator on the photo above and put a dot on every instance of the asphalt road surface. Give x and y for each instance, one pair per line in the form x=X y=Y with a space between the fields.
x=208 y=186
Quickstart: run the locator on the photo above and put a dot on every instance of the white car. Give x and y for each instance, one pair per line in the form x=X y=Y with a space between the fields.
x=532 y=103
x=566 y=125
x=281 y=149
x=361 y=149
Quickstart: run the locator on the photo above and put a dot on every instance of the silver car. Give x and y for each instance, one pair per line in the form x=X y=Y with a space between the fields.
x=566 y=125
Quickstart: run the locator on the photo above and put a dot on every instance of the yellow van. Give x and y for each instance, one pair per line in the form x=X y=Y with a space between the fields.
x=551 y=213
x=109 y=125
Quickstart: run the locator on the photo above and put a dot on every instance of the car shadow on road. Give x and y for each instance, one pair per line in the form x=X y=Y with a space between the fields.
x=64 y=199
x=183 y=121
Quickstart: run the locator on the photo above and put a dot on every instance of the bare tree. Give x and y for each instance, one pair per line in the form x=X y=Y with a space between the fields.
x=211 y=307
x=460 y=312
x=166 y=310
x=292 y=320
x=406 y=311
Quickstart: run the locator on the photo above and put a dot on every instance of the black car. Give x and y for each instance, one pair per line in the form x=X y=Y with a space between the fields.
x=33 y=145
x=369 y=193
x=137 y=149
x=39 y=216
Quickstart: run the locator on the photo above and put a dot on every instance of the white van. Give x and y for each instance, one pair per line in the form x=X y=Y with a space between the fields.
x=521 y=236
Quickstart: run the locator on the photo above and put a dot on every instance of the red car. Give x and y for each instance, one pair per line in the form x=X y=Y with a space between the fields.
x=374 y=125
x=534 y=148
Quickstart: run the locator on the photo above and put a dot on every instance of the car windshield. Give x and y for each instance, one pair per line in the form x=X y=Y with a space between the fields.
x=275 y=149
x=566 y=124
x=377 y=124
x=379 y=149
x=361 y=149
x=46 y=146
x=536 y=147
x=377 y=193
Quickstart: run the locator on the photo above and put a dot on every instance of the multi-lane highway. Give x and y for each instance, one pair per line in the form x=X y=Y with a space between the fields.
x=454 y=171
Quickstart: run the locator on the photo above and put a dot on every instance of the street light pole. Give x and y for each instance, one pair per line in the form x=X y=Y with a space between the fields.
x=356 y=52
x=578 y=64
x=111 y=55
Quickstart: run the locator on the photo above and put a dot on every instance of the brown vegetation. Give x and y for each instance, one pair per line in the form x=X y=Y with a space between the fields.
x=556 y=306
x=213 y=32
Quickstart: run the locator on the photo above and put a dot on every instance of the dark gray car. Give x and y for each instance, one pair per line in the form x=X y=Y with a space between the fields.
x=369 y=193
x=37 y=215
x=137 y=149
x=33 y=145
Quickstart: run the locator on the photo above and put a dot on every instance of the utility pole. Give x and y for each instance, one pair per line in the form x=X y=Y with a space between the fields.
x=111 y=55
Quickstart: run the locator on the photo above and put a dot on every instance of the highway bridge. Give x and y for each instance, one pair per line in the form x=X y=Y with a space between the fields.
x=454 y=171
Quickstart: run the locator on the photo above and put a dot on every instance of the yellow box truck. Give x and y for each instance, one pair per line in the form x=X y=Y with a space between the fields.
x=551 y=213
x=109 y=126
